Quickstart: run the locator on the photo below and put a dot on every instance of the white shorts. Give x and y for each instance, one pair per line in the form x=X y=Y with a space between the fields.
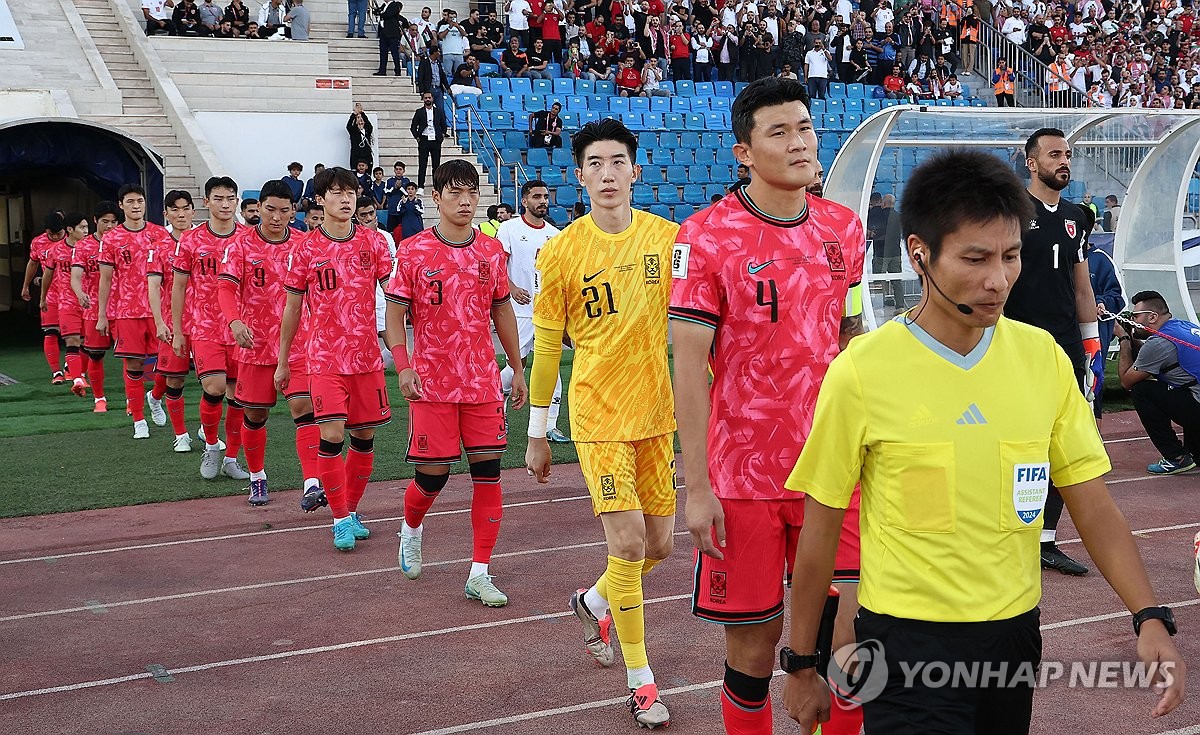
x=525 y=335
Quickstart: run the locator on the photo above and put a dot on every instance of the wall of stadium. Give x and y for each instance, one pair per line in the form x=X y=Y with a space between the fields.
x=254 y=147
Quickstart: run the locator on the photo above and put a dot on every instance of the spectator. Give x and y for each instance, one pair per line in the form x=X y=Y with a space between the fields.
x=362 y=170
x=538 y=61
x=431 y=77
x=238 y=16
x=252 y=31
x=378 y=195
x=792 y=46
x=187 y=18
x=270 y=18
x=466 y=81
x=654 y=42
x=453 y=41
x=1112 y=213
x=299 y=22
x=573 y=60
x=225 y=30
x=549 y=19
x=492 y=224
x=1161 y=370
x=211 y=16
x=1012 y=27
x=293 y=181
x=860 y=69
x=595 y=30
x=679 y=43
x=514 y=62
x=361 y=135
x=1004 y=85
x=394 y=192
x=428 y=128
x=314 y=216
x=968 y=40
x=652 y=77
x=629 y=82
x=425 y=27
x=158 y=18
x=702 y=45
x=519 y=13
x=725 y=50
x=390 y=33
x=610 y=45
x=413 y=45
x=249 y=209
x=356 y=18
x=952 y=89
x=816 y=70
x=743 y=177
x=545 y=128
x=409 y=214
x=893 y=84
x=596 y=67
x=478 y=41
x=310 y=193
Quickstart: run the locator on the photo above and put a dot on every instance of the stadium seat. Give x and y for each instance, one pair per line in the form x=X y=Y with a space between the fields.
x=521 y=85
x=677 y=174
x=667 y=85
x=698 y=175
x=831 y=122
x=961 y=103
x=518 y=139
x=501 y=86
x=714 y=189
x=555 y=69
x=576 y=103
x=652 y=120
x=715 y=121
x=653 y=175
x=723 y=89
x=535 y=102
x=642 y=158
x=489 y=102
x=643 y=195
x=509 y=155
x=856 y=91
x=684 y=88
x=606 y=88
x=695 y=121
x=711 y=139
x=639 y=104
x=720 y=103
x=835 y=107
x=682 y=212
x=562 y=157
x=837 y=89
x=694 y=194
x=618 y=104
x=588 y=117
x=570 y=120
x=597 y=102
x=668 y=195
x=559 y=215
x=701 y=104
x=632 y=120
x=662 y=156
x=681 y=104
x=647 y=140
x=585 y=87
x=543 y=86
x=704 y=89
x=854 y=104
x=502 y=120
x=673 y=121
x=466 y=100
x=684 y=156
x=566 y=196
x=706 y=156
x=668 y=141
x=554 y=177
x=689 y=140
x=564 y=86
x=738 y=87
x=870 y=107
x=660 y=210
x=537 y=157
x=512 y=102
x=721 y=173
x=660 y=104
x=728 y=140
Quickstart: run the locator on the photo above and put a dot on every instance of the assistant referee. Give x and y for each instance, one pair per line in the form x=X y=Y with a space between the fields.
x=955 y=420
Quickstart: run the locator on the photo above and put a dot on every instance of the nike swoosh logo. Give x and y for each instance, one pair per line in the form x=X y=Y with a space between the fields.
x=322 y=263
x=493 y=520
x=589 y=278
x=627 y=609
x=502 y=434
x=752 y=268
x=431 y=274
x=256 y=262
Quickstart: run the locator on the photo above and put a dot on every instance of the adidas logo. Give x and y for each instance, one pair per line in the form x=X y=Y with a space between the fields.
x=971 y=416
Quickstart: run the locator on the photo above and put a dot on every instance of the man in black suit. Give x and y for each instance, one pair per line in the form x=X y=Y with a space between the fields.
x=431 y=77
x=429 y=129
x=391 y=27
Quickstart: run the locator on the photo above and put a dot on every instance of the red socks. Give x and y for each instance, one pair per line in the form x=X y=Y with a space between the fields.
x=843 y=721
x=417 y=502
x=333 y=477
x=210 y=416
x=233 y=430
x=254 y=441
x=358 y=470
x=160 y=387
x=135 y=395
x=308 y=438
x=53 y=356
x=73 y=366
x=175 y=411
x=746 y=703
x=96 y=377
x=486 y=509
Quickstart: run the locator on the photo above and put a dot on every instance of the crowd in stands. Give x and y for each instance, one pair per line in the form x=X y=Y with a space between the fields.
x=272 y=19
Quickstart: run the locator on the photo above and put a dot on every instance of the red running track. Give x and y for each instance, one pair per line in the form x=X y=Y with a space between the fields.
x=210 y=616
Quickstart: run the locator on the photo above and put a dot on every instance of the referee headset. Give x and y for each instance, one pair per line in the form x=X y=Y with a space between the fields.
x=962 y=308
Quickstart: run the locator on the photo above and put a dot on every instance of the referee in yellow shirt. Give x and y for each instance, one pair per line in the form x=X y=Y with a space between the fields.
x=955 y=420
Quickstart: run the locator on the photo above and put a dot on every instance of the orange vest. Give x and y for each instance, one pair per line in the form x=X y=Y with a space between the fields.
x=1005 y=85
x=951 y=13
x=1059 y=83
x=970 y=34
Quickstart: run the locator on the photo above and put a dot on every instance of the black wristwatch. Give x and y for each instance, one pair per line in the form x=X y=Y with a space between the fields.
x=791 y=662
x=1154 y=613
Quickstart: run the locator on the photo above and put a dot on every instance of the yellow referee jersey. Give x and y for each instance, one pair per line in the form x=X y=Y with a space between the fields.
x=955 y=455
x=610 y=293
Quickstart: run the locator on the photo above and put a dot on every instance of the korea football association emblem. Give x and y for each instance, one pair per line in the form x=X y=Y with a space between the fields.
x=1070 y=225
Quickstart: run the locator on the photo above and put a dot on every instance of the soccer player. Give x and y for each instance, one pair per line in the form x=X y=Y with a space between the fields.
x=450 y=283
x=56 y=290
x=954 y=420
x=603 y=280
x=123 y=295
x=197 y=319
x=333 y=274
x=251 y=297
x=55 y=231
x=1054 y=290
x=85 y=282
x=522 y=238
x=766 y=292
x=171 y=368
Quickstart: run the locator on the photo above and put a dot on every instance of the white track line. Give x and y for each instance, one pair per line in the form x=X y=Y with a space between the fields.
x=1192 y=730
x=1180 y=527
x=251 y=534
x=93 y=605
x=1108 y=616
x=309 y=651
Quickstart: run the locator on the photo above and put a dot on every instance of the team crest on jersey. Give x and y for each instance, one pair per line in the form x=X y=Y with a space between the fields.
x=422 y=442
x=608 y=487
x=833 y=253
x=485 y=271
x=652 y=268
x=1070 y=225
x=364 y=259
x=717 y=586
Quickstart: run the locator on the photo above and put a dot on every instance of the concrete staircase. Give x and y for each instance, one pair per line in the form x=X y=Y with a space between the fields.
x=142 y=115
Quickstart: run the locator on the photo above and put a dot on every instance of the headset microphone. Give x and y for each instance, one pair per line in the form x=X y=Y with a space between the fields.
x=962 y=308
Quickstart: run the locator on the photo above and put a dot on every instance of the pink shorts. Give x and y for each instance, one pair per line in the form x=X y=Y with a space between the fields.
x=256 y=385
x=170 y=364
x=213 y=358
x=747 y=586
x=134 y=338
x=93 y=341
x=70 y=319
x=50 y=318
x=439 y=432
x=360 y=400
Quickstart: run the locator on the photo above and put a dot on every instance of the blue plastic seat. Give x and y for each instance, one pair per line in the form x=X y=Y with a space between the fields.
x=677 y=174
x=606 y=87
x=618 y=104
x=660 y=104
x=851 y=120
x=647 y=140
x=554 y=69
x=668 y=194
x=538 y=157
x=681 y=104
x=705 y=89
x=660 y=210
x=721 y=173
x=689 y=140
x=698 y=175
x=856 y=91
x=870 y=107
x=490 y=71
x=695 y=121
x=566 y=196
x=642 y=158
x=502 y=120
x=835 y=106
x=728 y=140
x=559 y=215
x=597 y=102
x=652 y=120
x=653 y=175
x=831 y=122
x=489 y=102
x=521 y=85
x=632 y=120
x=543 y=86
x=721 y=103
x=705 y=156
x=694 y=194
x=854 y=104
x=715 y=121
x=684 y=88
x=714 y=189
x=723 y=89
x=554 y=177
x=674 y=121
x=837 y=89
x=562 y=157
x=576 y=103
x=643 y=195
x=510 y=155
x=684 y=156
x=669 y=141
x=535 y=102
x=570 y=120
x=588 y=117
x=564 y=86
x=710 y=139
x=585 y=87
x=683 y=211
x=501 y=86
x=701 y=104
x=512 y=102
x=639 y=104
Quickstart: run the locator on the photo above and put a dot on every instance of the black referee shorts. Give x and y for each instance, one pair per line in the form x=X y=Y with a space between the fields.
x=930 y=688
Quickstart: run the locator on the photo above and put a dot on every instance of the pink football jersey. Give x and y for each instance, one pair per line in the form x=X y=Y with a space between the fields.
x=258 y=267
x=198 y=255
x=129 y=252
x=86 y=258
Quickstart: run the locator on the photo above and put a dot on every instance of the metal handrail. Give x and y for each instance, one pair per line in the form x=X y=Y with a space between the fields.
x=474 y=120
x=1032 y=76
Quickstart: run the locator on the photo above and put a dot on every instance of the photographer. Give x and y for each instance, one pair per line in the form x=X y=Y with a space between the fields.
x=1161 y=370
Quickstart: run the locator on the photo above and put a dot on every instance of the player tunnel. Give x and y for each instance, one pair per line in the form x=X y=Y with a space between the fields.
x=66 y=164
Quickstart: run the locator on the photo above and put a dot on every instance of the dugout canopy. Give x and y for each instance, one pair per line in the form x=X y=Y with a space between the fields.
x=1147 y=158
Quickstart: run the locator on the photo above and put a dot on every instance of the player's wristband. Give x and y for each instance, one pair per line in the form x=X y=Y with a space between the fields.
x=539 y=417
x=400 y=357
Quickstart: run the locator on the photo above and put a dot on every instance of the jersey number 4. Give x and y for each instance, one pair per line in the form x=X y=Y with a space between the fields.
x=592 y=307
x=768 y=296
